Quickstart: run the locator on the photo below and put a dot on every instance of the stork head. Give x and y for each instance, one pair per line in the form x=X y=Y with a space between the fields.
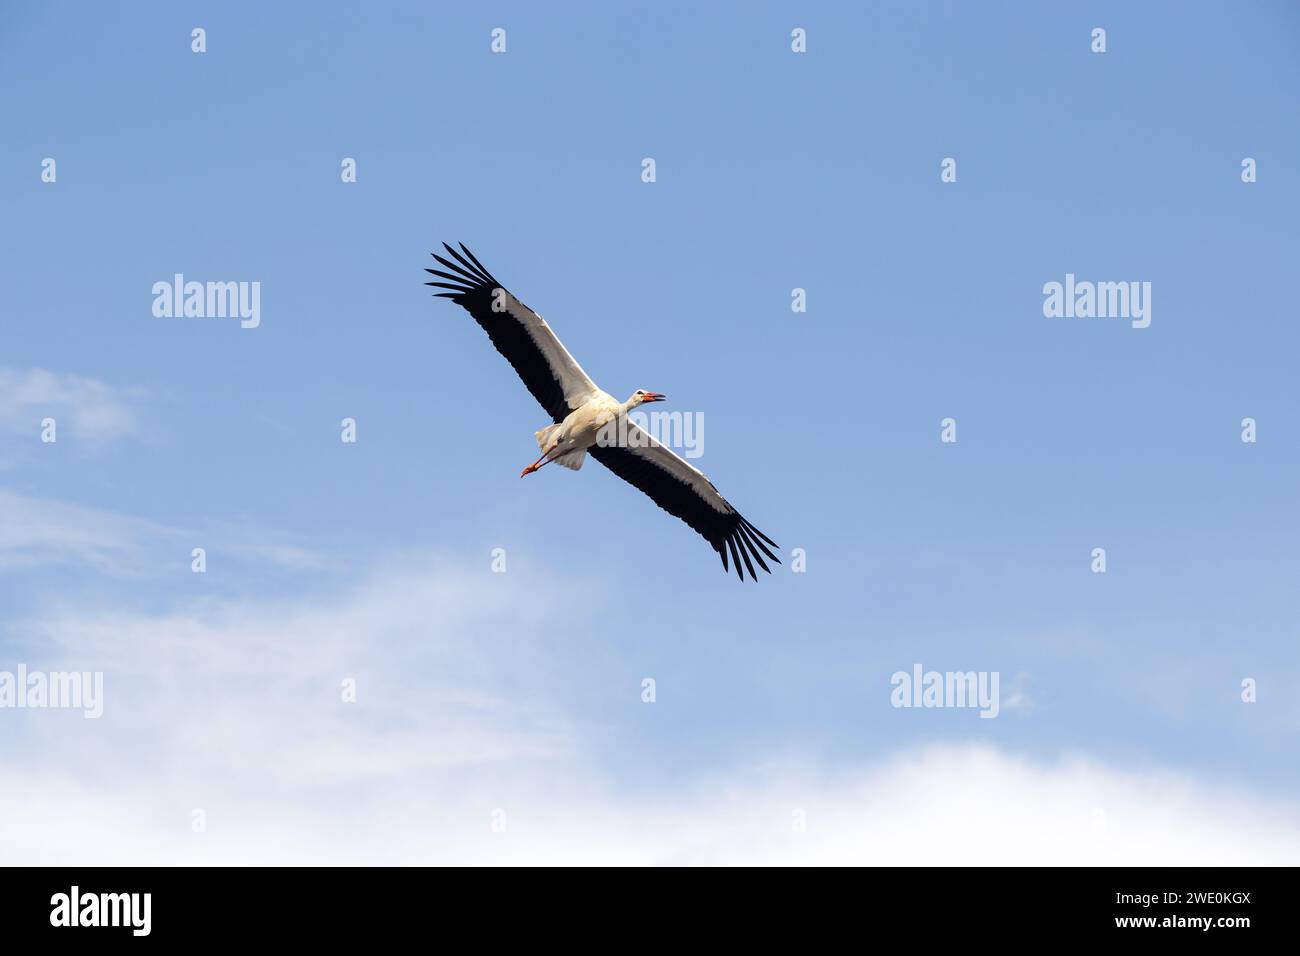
x=641 y=396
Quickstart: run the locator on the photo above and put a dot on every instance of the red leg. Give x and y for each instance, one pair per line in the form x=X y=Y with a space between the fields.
x=540 y=463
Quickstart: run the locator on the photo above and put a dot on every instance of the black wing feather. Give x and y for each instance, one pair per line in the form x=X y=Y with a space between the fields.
x=724 y=531
x=473 y=291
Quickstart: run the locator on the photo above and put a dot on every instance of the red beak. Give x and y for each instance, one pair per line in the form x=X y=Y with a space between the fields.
x=655 y=396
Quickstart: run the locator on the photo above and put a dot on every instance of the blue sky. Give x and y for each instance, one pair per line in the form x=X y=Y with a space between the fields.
x=774 y=171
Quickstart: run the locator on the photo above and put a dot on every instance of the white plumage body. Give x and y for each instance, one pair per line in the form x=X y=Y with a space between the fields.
x=567 y=443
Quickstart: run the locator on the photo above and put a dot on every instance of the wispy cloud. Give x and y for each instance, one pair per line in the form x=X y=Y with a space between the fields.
x=45 y=531
x=87 y=412
x=38 y=531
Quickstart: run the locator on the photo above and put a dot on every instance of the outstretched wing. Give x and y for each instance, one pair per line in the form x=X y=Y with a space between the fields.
x=683 y=491
x=556 y=380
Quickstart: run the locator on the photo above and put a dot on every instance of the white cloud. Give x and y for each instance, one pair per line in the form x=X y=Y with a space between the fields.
x=1015 y=697
x=88 y=412
x=37 y=531
x=234 y=708
x=41 y=531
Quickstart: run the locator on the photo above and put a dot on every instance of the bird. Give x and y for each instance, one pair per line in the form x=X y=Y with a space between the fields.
x=587 y=420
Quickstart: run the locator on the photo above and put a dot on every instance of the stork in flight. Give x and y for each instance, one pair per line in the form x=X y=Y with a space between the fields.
x=585 y=417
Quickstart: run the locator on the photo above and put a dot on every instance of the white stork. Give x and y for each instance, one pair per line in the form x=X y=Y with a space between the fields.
x=582 y=415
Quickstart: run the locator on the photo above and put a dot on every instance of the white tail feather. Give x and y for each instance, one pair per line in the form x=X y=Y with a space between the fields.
x=573 y=459
x=544 y=436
